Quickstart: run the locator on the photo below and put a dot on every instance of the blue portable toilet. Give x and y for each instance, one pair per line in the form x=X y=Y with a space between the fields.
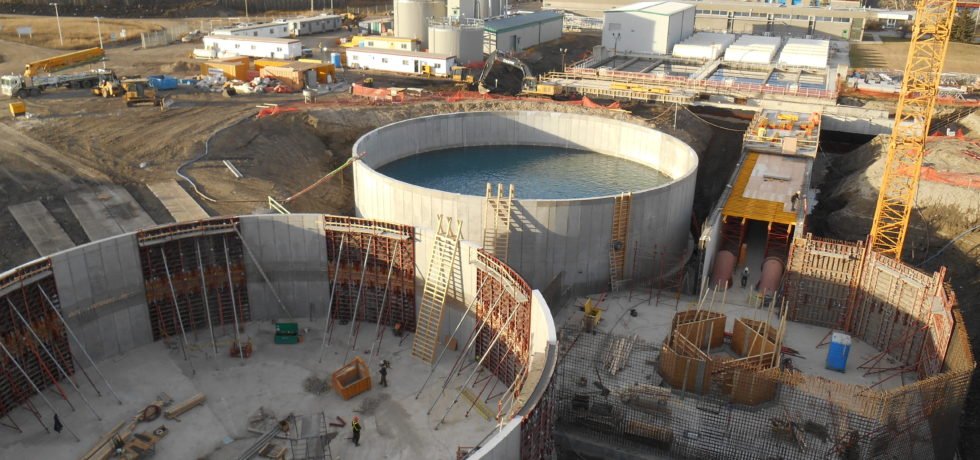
x=335 y=60
x=840 y=347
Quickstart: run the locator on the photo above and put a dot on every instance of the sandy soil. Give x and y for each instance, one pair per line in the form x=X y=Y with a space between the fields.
x=961 y=57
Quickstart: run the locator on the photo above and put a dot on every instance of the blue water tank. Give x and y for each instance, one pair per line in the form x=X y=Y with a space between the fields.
x=840 y=347
x=335 y=60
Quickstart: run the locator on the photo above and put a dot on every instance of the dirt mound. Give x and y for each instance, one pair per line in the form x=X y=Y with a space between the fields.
x=941 y=206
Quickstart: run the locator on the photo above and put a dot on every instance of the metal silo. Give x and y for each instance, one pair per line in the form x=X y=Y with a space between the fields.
x=460 y=38
x=479 y=9
x=412 y=16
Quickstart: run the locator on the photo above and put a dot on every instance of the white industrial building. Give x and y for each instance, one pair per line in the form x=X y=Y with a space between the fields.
x=647 y=28
x=521 y=31
x=274 y=48
x=313 y=25
x=264 y=30
x=413 y=62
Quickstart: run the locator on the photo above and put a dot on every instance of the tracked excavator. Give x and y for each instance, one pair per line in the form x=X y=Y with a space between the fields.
x=530 y=86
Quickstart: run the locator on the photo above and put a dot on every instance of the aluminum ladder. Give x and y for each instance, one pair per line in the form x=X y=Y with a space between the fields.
x=496 y=221
x=439 y=275
x=617 y=245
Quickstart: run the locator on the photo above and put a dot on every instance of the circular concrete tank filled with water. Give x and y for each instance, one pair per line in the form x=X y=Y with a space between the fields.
x=567 y=170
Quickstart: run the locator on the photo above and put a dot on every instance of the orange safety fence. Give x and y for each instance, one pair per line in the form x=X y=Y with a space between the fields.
x=274 y=110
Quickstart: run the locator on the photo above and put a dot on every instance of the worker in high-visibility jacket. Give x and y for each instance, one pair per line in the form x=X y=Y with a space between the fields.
x=356 y=429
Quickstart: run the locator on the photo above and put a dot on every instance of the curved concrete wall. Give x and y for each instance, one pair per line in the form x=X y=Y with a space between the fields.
x=99 y=289
x=549 y=238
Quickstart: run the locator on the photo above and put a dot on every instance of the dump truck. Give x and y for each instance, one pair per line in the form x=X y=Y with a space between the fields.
x=138 y=91
x=24 y=86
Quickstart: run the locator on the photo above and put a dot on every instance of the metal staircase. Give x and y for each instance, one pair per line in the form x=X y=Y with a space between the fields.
x=617 y=245
x=442 y=263
x=496 y=221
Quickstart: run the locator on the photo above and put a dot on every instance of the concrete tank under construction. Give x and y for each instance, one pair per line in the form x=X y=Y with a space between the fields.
x=412 y=18
x=460 y=38
x=559 y=243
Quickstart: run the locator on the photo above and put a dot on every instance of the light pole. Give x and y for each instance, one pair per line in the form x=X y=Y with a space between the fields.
x=563 y=51
x=98 y=24
x=61 y=37
x=246 y=10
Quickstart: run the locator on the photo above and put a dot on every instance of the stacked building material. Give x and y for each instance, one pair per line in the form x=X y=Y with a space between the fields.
x=703 y=45
x=800 y=52
x=753 y=49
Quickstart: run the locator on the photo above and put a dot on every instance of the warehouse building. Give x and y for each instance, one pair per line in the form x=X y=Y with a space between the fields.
x=839 y=21
x=522 y=31
x=266 y=30
x=412 y=62
x=275 y=48
x=647 y=28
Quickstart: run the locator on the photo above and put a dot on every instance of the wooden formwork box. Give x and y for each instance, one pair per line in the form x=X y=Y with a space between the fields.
x=747 y=342
x=682 y=372
x=751 y=386
x=352 y=379
x=709 y=327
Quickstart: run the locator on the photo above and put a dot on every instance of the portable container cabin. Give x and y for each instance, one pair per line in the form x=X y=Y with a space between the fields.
x=264 y=30
x=413 y=62
x=274 y=48
x=313 y=25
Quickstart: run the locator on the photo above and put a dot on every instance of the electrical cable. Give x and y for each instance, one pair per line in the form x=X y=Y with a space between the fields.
x=712 y=124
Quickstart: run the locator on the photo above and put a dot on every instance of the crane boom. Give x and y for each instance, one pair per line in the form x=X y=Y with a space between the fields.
x=920 y=85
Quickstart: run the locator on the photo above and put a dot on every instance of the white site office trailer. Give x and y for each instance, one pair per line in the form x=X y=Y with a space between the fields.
x=313 y=25
x=264 y=30
x=399 y=61
x=274 y=48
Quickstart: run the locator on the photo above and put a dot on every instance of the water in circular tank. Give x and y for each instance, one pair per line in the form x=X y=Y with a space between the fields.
x=412 y=18
x=465 y=41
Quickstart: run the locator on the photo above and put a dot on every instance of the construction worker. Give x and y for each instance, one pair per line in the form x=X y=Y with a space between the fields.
x=745 y=276
x=384 y=372
x=356 y=430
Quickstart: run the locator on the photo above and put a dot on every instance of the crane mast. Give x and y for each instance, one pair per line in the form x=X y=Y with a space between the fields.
x=920 y=86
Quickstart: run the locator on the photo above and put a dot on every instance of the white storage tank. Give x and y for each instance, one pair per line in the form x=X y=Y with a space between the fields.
x=457 y=37
x=479 y=9
x=412 y=18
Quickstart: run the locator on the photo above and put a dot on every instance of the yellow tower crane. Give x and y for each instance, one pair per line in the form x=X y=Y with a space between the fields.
x=920 y=85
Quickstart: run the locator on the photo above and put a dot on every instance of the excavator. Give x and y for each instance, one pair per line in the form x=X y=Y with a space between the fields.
x=530 y=86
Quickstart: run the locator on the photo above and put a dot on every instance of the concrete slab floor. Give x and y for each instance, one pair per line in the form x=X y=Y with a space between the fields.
x=653 y=320
x=395 y=424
